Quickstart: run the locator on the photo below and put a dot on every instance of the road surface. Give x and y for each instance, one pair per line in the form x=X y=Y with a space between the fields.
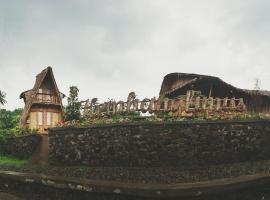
x=6 y=196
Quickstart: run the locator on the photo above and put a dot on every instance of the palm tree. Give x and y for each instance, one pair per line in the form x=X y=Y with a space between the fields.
x=2 y=97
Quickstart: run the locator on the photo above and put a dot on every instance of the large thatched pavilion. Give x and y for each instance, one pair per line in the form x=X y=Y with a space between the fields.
x=176 y=84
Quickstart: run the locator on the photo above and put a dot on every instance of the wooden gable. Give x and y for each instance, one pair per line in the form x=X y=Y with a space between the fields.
x=44 y=92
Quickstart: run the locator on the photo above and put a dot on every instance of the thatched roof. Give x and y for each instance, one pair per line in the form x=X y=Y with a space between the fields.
x=175 y=82
x=29 y=95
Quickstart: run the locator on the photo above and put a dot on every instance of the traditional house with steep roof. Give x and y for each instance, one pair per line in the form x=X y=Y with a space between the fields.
x=176 y=84
x=43 y=104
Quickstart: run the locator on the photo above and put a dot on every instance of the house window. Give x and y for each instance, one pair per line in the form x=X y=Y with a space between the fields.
x=48 y=118
x=40 y=90
x=40 y=118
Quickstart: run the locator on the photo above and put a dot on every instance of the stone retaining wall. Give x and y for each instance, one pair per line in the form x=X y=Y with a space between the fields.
x=20 y=147
x=161 y=144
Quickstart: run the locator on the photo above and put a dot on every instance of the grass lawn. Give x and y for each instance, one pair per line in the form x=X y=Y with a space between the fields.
x=11 y=161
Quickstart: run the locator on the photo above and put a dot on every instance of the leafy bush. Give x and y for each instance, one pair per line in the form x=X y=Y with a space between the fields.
x=9 y=124
x=4 y=134
x=9 y=119
x=23 y=131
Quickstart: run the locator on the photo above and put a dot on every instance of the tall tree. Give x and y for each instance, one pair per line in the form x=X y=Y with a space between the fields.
x=73 y=109
x=2 y=97
x=257 y=85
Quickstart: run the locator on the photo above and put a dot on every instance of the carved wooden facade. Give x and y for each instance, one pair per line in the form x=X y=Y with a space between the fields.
x=43 y=104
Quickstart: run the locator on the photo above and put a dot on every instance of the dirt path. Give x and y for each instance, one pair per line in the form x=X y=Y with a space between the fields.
x=41 y=155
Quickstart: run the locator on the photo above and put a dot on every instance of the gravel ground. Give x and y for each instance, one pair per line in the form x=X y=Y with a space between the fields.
x=150 y=175
x=6 y=196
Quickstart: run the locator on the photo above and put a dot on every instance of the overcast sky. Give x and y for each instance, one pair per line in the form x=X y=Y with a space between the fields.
x=111 y=47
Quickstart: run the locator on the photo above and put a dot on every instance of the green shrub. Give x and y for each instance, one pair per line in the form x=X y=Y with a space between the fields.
x=9 y=119
x=23 y=131
x=9 y=124
x=4 y=133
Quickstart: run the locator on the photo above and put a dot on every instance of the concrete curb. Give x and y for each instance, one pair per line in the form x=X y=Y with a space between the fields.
x=137 y=189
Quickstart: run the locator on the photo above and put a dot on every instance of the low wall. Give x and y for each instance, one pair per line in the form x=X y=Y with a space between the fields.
x=20 y=147
x=174 y=144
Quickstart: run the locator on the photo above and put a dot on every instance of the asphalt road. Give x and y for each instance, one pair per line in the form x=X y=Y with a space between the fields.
x=6 y=196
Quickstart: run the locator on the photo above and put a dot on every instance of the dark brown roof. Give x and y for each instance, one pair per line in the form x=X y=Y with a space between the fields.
x=169 y=85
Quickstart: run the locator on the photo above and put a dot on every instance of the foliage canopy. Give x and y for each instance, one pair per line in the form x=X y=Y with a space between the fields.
x=73 y=109
x=9 y=124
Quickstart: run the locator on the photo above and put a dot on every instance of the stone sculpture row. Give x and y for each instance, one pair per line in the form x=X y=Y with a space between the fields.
x=193 y=102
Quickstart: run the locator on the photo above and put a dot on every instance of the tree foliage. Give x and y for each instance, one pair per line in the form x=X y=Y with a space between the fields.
x=9 y=119
x=73 y=109
x=9 y=123
x=2 y=97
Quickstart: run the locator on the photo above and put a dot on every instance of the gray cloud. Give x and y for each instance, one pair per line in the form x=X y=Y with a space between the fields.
x=110 y=47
